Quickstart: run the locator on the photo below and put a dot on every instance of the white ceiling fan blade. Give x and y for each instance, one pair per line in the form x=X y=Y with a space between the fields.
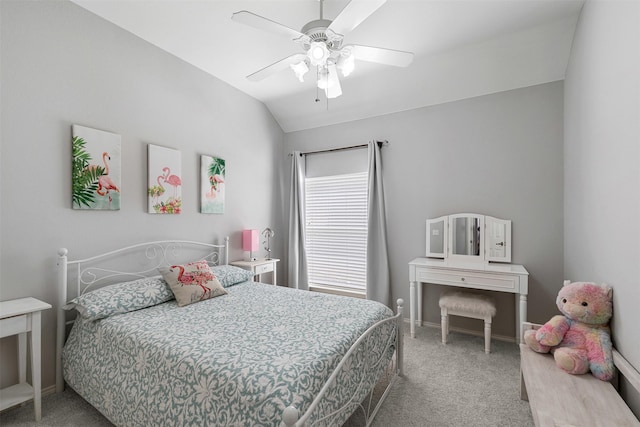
x=353 y=14
x=333 y=89
x=276 y=67
x=397 y=58
x=261 y=23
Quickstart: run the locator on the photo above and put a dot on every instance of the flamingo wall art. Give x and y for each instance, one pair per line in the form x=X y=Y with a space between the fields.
x=212 y=184
x=165 y=182
x=95 y=169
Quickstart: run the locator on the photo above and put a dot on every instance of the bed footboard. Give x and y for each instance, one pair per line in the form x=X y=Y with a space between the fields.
x=291 y=416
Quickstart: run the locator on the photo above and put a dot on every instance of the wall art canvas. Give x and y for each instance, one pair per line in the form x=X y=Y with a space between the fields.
x=95 y=169
x=212 y=184
x=165 y=182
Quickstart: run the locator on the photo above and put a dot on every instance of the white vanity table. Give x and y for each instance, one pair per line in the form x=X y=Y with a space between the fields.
x=463 y=251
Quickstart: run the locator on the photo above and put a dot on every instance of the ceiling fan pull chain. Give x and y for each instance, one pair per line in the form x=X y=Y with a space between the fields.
x=317 y=88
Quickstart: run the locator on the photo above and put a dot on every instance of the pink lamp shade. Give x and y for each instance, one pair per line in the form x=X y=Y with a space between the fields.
x=250 y=241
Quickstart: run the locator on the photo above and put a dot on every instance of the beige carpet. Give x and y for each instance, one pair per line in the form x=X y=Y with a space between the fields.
x=444 y=386
x=456 y=384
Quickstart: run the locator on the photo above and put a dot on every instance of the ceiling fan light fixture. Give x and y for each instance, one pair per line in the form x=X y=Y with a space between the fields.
x=318 y=53
x=333 y=92
x=300 y=69
x=324 y=82
x=333 y=89
x=346 y=63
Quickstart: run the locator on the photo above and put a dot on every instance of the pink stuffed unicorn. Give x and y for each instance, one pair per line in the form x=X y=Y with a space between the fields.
x=580 y=340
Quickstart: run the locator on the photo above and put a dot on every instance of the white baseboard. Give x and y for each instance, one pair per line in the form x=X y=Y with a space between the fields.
x=466 y=331
x=48 y=390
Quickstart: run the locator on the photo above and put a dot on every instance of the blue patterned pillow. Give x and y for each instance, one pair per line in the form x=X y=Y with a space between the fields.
x=230 y=275
x=122 y=298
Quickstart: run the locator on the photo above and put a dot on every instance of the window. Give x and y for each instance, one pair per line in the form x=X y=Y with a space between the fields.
x=336 y=232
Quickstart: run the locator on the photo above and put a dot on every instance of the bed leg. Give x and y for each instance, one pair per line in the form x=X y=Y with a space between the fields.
x=61 y=318
x=400 y=338
x=226 y=251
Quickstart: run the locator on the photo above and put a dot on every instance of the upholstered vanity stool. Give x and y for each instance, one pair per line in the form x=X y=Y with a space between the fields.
x=466 y=304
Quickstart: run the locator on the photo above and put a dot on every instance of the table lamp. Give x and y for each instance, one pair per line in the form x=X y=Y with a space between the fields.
x=250 y=242
x=268 y=234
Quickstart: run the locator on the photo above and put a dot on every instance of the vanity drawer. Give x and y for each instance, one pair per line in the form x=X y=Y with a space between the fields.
x=474 y=280
x=264 y=268
x=14 y=325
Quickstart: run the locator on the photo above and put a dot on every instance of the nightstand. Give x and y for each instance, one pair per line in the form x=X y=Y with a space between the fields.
x=259 y=267
x=19 y=317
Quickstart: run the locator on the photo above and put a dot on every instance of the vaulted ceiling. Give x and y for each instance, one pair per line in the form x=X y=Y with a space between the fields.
x=463 y=48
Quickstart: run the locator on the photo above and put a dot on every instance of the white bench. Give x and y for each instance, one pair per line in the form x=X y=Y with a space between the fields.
x=557 y=398
x=466 y=304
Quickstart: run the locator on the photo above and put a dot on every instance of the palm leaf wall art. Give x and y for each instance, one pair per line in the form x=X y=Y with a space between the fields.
x=95 y=169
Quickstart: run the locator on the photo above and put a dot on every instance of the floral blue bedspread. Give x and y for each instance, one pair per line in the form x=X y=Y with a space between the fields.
x=236 y=360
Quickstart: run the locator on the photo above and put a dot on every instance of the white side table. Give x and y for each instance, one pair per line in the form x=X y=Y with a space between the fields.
x=18 y=317
x=259 y=267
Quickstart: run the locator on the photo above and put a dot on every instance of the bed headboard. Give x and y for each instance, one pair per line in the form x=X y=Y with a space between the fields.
x=76 y=277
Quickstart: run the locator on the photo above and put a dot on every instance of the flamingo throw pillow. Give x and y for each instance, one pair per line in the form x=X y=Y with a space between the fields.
x=192 y=282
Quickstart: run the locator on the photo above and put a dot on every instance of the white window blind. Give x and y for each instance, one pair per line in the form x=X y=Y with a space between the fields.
x=336 y=232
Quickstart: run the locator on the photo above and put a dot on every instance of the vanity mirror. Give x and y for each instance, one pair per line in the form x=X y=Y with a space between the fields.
x=468 y=237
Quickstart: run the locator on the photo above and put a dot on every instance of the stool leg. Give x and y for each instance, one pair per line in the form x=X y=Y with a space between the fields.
x=447 y=324
x=444 y=321
x=487 y=335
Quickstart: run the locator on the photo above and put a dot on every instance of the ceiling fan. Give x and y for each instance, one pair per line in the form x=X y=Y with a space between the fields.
x=322 y=42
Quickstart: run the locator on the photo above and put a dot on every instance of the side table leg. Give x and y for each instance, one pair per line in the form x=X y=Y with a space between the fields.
x=275 y=280
x=412 y=308
x=36 y=363
x=419 y=286
x=22 y=358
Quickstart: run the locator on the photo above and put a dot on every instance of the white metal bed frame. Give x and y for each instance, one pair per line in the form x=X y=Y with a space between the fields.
x=90 y=275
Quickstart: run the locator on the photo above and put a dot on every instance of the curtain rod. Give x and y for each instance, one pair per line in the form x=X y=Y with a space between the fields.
x=351 y=147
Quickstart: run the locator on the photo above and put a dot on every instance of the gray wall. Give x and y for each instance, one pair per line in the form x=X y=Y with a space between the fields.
x=602 y=163
x=499 y=155
x=63 y=65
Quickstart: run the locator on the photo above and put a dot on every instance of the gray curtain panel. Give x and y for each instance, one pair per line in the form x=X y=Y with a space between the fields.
x=297 y=271
x=378 y=287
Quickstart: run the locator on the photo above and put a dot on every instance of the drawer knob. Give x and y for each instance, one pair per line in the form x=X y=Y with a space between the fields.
x=462 y=278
